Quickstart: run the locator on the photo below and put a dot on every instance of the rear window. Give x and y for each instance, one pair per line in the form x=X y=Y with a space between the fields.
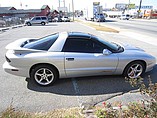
x=42 y=44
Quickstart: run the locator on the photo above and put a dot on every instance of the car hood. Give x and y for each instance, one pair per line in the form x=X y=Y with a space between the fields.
x=130 y=47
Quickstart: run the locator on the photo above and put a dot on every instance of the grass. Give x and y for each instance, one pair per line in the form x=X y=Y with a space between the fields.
x=10 y=112
x=98 y=27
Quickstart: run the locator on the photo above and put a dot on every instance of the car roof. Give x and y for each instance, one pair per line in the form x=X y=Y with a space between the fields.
x=39 y=16
x=79 y=35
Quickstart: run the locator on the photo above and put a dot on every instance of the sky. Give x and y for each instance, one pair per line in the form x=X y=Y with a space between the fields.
x=78 y=4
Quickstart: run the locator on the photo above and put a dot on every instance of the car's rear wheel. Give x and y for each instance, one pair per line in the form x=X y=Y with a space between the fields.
x=44 y=75
x=42 y=23
x=134 y=69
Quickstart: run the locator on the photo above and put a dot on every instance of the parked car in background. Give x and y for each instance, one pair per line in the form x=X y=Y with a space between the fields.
x=65 y=19
x=100 y=18
x=37 y=20
x=2 y=23
x=124 y=17
x=74 y=54
x=57 y=19
x=49 y=19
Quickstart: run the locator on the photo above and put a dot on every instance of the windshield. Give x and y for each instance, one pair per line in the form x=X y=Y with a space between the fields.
x=113 y=47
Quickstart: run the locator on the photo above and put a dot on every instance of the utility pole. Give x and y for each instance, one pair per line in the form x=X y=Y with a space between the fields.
x=69 y=7
x=64 y=7
x=59 y=3
x=139 y=10
x=128 y=6
x=64 y=3
x=73 y=9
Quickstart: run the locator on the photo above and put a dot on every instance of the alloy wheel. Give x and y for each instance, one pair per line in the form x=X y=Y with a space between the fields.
x=44 y=76
x=135 y=70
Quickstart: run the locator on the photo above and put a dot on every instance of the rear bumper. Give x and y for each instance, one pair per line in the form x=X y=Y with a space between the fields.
x=15 y=71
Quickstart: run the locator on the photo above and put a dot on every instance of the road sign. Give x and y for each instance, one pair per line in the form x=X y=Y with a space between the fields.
x=131 y=6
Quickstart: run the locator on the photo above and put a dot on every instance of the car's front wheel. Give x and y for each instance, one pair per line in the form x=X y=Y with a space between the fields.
x=44 y=75
x=134 y=69
x=29 y=24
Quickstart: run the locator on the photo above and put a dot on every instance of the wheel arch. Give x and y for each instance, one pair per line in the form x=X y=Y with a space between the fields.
x=29 y=23
x=142 y=61
x=35 y=65
x=43 y=22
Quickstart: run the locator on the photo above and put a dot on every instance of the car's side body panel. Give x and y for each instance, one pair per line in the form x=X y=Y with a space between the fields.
x=86 y=64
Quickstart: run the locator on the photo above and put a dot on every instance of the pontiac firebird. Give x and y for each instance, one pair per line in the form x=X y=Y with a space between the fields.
x=74 y=54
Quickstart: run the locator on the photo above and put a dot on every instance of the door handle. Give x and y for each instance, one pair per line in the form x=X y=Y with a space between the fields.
x=70 y=59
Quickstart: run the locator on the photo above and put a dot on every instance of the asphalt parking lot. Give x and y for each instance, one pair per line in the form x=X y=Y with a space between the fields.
x=23 y=94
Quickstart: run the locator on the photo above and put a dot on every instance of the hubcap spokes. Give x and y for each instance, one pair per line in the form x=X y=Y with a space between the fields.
x=44 y=76
x=135 y=71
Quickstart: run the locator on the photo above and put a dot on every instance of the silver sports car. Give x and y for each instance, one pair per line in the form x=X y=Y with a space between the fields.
x=74 y=54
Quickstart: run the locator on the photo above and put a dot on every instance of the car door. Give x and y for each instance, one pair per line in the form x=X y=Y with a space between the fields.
x=84 y=57
x=36 y=20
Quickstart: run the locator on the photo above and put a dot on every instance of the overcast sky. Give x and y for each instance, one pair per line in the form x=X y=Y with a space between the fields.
x=78 y=4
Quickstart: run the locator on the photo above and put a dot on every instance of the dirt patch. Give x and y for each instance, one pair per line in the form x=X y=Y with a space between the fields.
x=98 y=27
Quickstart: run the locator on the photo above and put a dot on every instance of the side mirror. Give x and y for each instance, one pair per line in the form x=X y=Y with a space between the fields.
x=106 y=52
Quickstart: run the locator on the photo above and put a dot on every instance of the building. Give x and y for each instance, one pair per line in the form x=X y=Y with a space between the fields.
x=13 y=12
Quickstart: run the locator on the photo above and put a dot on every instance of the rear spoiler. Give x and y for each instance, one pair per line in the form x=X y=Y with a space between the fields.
x=18 y=44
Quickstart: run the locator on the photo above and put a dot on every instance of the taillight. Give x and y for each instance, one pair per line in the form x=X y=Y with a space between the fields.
x=7 y=59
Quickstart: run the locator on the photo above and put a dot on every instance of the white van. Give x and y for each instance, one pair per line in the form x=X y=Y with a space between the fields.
x=124 y=17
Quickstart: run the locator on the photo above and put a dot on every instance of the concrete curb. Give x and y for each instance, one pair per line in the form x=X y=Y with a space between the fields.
x=150 y=20
x=12 y=27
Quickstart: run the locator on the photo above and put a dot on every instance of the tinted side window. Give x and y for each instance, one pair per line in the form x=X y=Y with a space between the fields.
x=38 y=18
x=82 y=45
x=43 y=43
x=43 y=18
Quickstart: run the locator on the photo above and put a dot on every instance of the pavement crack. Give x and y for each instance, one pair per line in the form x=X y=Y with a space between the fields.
x=77 y=91
x=118 y=94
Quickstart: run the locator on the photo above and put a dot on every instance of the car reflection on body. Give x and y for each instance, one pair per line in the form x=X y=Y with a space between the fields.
x=74 y=54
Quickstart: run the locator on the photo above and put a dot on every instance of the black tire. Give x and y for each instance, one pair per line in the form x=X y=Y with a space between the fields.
x=44 y=75
x=29 y=24
x=134 y=69
x=43 y=23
